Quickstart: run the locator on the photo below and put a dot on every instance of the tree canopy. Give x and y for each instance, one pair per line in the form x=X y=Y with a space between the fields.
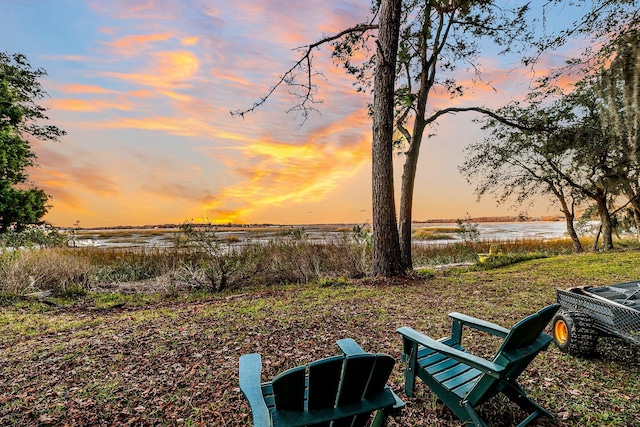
x=20 y=115
x=580 y=146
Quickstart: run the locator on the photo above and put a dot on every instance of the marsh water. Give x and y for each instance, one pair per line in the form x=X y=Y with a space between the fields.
x=238 y=235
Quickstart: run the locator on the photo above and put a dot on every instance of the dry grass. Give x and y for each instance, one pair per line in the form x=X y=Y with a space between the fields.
x=435 y=233
x=222 y=263
x=41 y=270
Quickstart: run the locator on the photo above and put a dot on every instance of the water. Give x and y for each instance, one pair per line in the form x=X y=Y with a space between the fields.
x=523 y=230
x=318 y=233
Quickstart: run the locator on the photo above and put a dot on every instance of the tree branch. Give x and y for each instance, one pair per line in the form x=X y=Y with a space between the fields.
x=289 y=75
x=503 y=120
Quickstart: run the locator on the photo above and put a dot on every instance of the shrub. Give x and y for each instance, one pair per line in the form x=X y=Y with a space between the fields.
x=44 y=236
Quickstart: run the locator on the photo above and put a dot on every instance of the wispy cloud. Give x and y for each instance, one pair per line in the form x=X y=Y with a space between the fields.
x=133 y=44
x=93 y=105
x=276 y=172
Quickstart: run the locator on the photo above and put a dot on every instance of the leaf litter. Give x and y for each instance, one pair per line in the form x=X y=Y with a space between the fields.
x=175 y=362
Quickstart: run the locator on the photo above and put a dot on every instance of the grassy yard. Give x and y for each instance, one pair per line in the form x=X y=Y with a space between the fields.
x=173 y=359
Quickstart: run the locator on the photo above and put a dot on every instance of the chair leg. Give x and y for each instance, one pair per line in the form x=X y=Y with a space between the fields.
x=380 y=418
x=518 y=396
x=473 y=415
x=410 y=371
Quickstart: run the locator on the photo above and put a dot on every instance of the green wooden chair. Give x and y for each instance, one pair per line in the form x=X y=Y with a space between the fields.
x=462 y=380
x=336 y=391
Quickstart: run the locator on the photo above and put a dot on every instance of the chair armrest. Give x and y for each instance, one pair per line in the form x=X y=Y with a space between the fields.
x=479 y=324
x=349 y=347
x=250 y=372
x=479 y=363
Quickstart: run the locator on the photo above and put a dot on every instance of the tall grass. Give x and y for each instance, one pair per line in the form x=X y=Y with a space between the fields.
x=41 y=270
x=217 y=265
x=212 y=267
x=456 y=252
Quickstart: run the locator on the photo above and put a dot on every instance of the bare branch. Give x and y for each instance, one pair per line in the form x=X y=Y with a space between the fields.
x=489 y=113
x=304 y=63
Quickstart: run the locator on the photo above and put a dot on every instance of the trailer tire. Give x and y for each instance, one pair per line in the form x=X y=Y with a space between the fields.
x=574 y=333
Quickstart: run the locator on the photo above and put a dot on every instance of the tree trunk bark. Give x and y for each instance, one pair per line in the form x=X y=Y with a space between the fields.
x=386 y=246
x=569 y=216
x=413 y=152
x=636 y=220
x=605 y=221
x=406 y=194
x=577 y=246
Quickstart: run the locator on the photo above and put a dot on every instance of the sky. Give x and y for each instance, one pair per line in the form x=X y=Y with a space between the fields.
x=144 y=90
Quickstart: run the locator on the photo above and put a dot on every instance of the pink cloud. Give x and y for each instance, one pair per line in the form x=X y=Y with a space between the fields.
x=133 y=44
x=89 y=105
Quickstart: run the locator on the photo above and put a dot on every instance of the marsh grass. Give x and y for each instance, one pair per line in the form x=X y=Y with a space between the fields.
x=220 y=264
x=435 y=233
x=458 y=252
x=213 y=266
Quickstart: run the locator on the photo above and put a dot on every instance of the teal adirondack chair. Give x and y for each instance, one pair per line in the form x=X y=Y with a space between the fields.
x=462 y=380
x=343 y=390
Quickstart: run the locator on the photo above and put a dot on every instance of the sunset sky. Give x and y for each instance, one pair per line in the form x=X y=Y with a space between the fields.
x=144 y=89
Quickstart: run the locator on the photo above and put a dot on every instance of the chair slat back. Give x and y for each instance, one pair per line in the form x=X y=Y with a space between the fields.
x=288 y=389
x=380 y=374
x=331 y=383
x=362 y=378
x=528 y=330
x=525 y=333
x=324 y=382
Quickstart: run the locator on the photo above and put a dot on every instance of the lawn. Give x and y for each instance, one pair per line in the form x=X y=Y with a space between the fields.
x=173 y=359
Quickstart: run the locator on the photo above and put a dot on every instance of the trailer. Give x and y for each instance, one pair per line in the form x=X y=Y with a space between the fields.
x=589 y=312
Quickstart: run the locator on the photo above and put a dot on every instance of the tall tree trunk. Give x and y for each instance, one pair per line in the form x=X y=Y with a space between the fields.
x=636 y=220
x=569 y=216
x=594 y=247
x=631 y=191
x=577 y=246
x=411 y=162
x=386 y=246
x=605 y=221
x=406 y=193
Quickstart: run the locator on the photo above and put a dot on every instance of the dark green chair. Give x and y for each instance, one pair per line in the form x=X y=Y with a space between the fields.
x=336 y=391
x=462 y=380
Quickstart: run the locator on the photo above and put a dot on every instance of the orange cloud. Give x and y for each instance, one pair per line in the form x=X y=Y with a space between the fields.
x=183 y=126
x=190 y=41
x=177 y=66
x=80 y=88
x=276 y=172
x=169 y=70
x=142 y=93
x=88 y=105
x=70 y=179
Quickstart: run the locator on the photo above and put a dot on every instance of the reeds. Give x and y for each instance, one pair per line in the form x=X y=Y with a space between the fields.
x=221 y=264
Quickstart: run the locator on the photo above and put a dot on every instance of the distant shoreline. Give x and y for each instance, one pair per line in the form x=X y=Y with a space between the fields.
x=267 y=225
x=550 y=218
